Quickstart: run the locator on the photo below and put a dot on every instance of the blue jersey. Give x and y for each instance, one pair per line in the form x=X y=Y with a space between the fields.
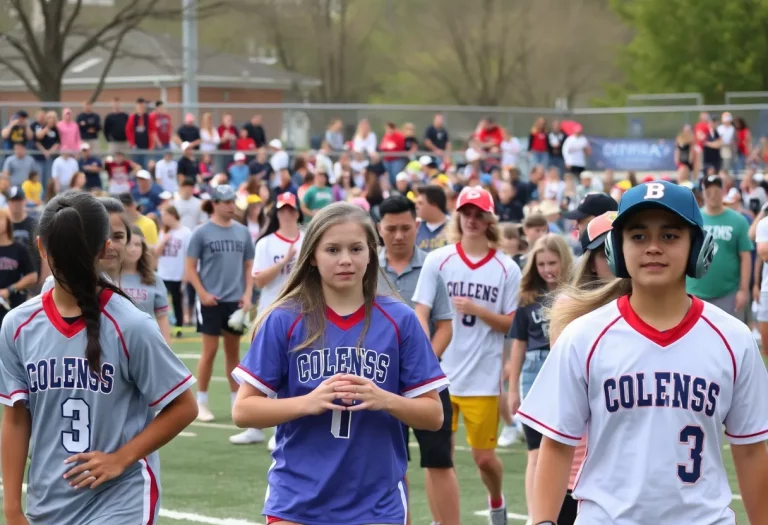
x=428 y=239
x=341 y=467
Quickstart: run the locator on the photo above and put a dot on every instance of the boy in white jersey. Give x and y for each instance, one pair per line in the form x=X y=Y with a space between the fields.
x=651 y=378
x=483 y=284
x=276 y=251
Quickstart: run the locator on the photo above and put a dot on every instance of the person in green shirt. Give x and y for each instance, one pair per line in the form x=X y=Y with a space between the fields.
x=317 y=196
x=726 y=285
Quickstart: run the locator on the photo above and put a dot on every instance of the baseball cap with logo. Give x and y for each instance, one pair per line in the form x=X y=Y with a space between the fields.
x=596 y=231
x=223 y=193
x=287 y=199
x=16 y=194
x=660 y=195
x=592 y=205
x=476 y=197
x=712 y=180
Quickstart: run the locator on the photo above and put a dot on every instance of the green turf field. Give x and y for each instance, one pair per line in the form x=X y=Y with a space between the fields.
x=205 y=479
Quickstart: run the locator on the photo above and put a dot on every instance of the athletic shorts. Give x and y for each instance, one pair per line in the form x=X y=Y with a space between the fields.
x=481 y=417
x=212 y=320
x=435 y=447
x=762 y=308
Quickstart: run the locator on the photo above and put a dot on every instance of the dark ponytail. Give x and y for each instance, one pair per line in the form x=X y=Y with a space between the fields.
x=74 y=228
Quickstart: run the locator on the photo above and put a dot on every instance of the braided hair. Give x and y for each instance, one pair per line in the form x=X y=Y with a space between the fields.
x=74 y=229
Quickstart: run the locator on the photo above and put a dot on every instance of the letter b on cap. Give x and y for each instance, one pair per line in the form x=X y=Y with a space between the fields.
x=654 y=191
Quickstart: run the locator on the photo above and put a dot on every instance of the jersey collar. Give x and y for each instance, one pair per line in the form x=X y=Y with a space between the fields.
x=66 y=329
x=667 y=337
x=345 y=323
x=474 y=265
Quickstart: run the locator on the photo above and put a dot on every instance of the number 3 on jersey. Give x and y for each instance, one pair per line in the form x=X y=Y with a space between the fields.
x=78 y=438
x=693 y=436
x=341 y=424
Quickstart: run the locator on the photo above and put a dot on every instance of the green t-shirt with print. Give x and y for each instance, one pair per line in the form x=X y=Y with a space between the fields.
x=731 y=232
x=317 y=198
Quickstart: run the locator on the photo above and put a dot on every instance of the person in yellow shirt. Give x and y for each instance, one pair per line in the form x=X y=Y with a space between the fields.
x=145 y=224
x=33 y=189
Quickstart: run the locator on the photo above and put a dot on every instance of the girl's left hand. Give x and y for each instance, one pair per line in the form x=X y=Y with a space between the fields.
x=96 y=469
x=368 y=393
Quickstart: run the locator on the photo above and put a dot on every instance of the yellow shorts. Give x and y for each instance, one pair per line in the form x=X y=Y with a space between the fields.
x=481 y=417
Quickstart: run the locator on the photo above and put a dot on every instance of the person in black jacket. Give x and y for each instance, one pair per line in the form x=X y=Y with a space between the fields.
x=114 y=128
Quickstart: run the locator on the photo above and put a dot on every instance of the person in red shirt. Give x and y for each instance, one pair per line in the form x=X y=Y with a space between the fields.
x=160 y=124
x=246 y=144
x=743 y=143
x=119 y=170
x=491 y=136
x=139 y=132
x=700 y=134
x=393 y=141
x=538 y=145
x=227 y=133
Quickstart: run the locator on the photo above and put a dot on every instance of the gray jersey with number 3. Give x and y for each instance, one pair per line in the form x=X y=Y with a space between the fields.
x=42 y=363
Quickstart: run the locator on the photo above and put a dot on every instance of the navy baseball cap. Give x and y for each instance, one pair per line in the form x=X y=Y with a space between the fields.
x=593 y=205
x=660 y=195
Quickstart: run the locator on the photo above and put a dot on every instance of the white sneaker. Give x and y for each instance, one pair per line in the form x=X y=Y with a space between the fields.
x=272 y=445
x=204 y=413
x=250 y=436
x=508 y=436
x=498 y=516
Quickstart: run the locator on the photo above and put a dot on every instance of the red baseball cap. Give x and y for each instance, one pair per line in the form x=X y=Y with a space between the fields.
x=287 y=199
x=476 y=196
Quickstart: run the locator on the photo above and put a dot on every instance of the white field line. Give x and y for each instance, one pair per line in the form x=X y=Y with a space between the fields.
x=187 y=434
x=187 y=516
x=510 y=515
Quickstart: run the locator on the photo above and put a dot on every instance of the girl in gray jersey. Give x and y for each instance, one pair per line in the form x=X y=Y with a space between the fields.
x=87 y=378
x=141 y=283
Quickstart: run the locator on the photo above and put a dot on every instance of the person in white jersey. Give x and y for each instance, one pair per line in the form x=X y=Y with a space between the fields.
x=276 y=251
x=651 y=378
x=170 y=252
x=91 y=390
x=483 y=285
x=166 y=172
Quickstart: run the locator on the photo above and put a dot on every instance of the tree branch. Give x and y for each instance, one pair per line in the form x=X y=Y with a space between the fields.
x=29 y=31
x=19 y=73
x=111 y=60
x=72 y=17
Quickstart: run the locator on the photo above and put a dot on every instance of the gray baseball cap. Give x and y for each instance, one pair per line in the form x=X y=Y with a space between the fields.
x=222 y=193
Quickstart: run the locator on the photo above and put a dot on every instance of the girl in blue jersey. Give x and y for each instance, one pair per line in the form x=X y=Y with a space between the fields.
x=338 y=369
x=90 y=389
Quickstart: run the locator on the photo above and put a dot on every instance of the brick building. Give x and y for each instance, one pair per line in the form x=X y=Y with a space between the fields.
x=150 y=66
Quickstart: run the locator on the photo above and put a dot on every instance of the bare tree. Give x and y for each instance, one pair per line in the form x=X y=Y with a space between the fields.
x=51 y=35
x=477 y=51
x=331 y=40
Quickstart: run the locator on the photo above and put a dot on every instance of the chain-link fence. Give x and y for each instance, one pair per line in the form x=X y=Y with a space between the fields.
x=301 y=126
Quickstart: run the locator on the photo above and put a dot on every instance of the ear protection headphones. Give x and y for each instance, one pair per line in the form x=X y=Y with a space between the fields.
x=699 y=260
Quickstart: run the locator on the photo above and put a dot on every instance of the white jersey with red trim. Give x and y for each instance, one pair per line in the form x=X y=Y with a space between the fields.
x=653 y=406
x=74 y=410
x=473 y=359
x=270 y=250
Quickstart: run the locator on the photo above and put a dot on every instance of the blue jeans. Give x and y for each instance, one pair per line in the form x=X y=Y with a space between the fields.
x=394 y=167
x=540 y=158
x=534 y=360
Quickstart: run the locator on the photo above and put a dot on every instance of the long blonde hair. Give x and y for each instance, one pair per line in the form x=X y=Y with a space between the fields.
x=493 y=234
x=304 y=290
x=531 y=283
